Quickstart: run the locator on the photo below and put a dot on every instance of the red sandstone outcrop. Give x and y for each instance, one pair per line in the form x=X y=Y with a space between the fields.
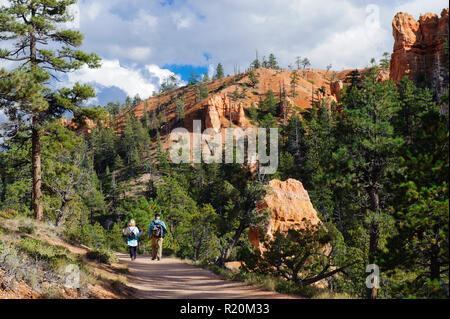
x=336 y=87
x=288 y=203
x=221 y=110
x=418 y=49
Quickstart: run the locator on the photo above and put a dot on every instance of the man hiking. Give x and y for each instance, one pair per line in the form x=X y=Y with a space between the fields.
x=132 y=233
x=156 y=233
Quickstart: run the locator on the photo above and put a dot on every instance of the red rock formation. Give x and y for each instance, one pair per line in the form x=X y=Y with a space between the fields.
x=221 y=110
x=418 y=49
x=288 y=203
x=336 y=87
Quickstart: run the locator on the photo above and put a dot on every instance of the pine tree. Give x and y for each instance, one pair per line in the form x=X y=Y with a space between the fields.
x=180 y=109
x=253 y=77
x=193 y=78
x=219 y=72
x=294 y=82
x=273 y=64
x=419 y=195
x=367 y=149
x=43 y=49
x=270 y=104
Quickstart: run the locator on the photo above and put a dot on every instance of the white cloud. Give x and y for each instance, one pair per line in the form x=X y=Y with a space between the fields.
x=160 y=74
x=133 y=53
x=111 y=74
x=74 y=10
x=93 y=10
x=131 y=80
x=181 y=21
x=418 y=7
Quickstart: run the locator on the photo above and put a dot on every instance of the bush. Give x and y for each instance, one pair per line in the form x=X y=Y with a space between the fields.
x=27 y=229
x=104 y=256
x=56 y=256
x=8 y=214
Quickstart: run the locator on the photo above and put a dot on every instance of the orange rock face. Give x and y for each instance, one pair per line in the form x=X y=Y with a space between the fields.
x=221 y=109
x=288 y=203
x=418 y=49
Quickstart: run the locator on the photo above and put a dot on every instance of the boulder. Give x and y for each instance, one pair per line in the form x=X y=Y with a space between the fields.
x=288 y=203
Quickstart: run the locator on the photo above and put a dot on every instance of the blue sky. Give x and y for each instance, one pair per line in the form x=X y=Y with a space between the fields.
x=143 y=42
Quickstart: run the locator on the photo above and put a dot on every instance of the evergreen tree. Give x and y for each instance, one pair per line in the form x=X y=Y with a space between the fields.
x=419 y=248
x=43 y=49
x=136 y=100
x=253 y=77
x=180 y=109
x=367 y=149
x=273 y=64
x=294 y=82
x=220 y=74
x=270 y=104
x=385 y=62
x=193 y=78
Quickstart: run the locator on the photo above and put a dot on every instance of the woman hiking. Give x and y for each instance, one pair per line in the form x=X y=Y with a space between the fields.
x=132 y=233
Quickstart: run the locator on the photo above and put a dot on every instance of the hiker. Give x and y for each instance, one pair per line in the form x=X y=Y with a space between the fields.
x=156 y=233
x=132 y=233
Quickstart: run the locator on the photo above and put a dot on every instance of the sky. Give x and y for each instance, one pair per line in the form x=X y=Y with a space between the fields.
x=142 y=42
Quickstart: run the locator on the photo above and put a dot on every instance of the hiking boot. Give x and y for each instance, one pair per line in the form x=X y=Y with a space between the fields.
x=153 y=258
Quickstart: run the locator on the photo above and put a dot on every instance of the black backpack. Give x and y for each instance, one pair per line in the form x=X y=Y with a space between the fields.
x=157 y=230
x=131 y=235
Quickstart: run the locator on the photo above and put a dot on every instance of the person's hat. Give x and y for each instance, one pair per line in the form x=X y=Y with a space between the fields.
x=157 y=215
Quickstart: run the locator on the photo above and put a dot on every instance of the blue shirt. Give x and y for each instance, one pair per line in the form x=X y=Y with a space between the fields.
x=135 y=230
x=157 y=221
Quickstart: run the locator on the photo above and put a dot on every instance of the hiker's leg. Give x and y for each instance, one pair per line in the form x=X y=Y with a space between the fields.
x=133 y=251
x=154 y=248
x=160 y=245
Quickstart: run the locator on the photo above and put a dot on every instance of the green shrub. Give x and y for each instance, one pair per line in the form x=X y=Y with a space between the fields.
x=103 y=256
x=27 y=229
x=8 y=214
x=56 y=256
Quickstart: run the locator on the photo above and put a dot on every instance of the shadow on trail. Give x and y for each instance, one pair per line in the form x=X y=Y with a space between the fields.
x=170 y=278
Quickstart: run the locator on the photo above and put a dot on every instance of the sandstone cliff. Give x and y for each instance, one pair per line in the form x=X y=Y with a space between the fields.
x=288 y=203
x=418 y=49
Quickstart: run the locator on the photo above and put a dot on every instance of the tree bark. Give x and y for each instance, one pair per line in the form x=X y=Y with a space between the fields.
x=36 y=168
x=233 y=243
x=435 y=270
x=374 y=234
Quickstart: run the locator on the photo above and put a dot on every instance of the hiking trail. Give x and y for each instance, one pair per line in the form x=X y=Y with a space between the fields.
x=171 y=278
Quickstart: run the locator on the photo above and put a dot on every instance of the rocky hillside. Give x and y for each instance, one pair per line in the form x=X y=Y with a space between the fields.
x=37 y=263
x=228 y=98
x=418 y=53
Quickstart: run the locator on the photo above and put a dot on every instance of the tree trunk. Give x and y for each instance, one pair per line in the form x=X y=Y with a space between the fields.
x=233 y=243
x=435 y=271
x=374 y=233
x=36 y=170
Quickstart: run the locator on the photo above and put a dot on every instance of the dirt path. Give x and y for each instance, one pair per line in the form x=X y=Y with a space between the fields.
x=170 y=278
